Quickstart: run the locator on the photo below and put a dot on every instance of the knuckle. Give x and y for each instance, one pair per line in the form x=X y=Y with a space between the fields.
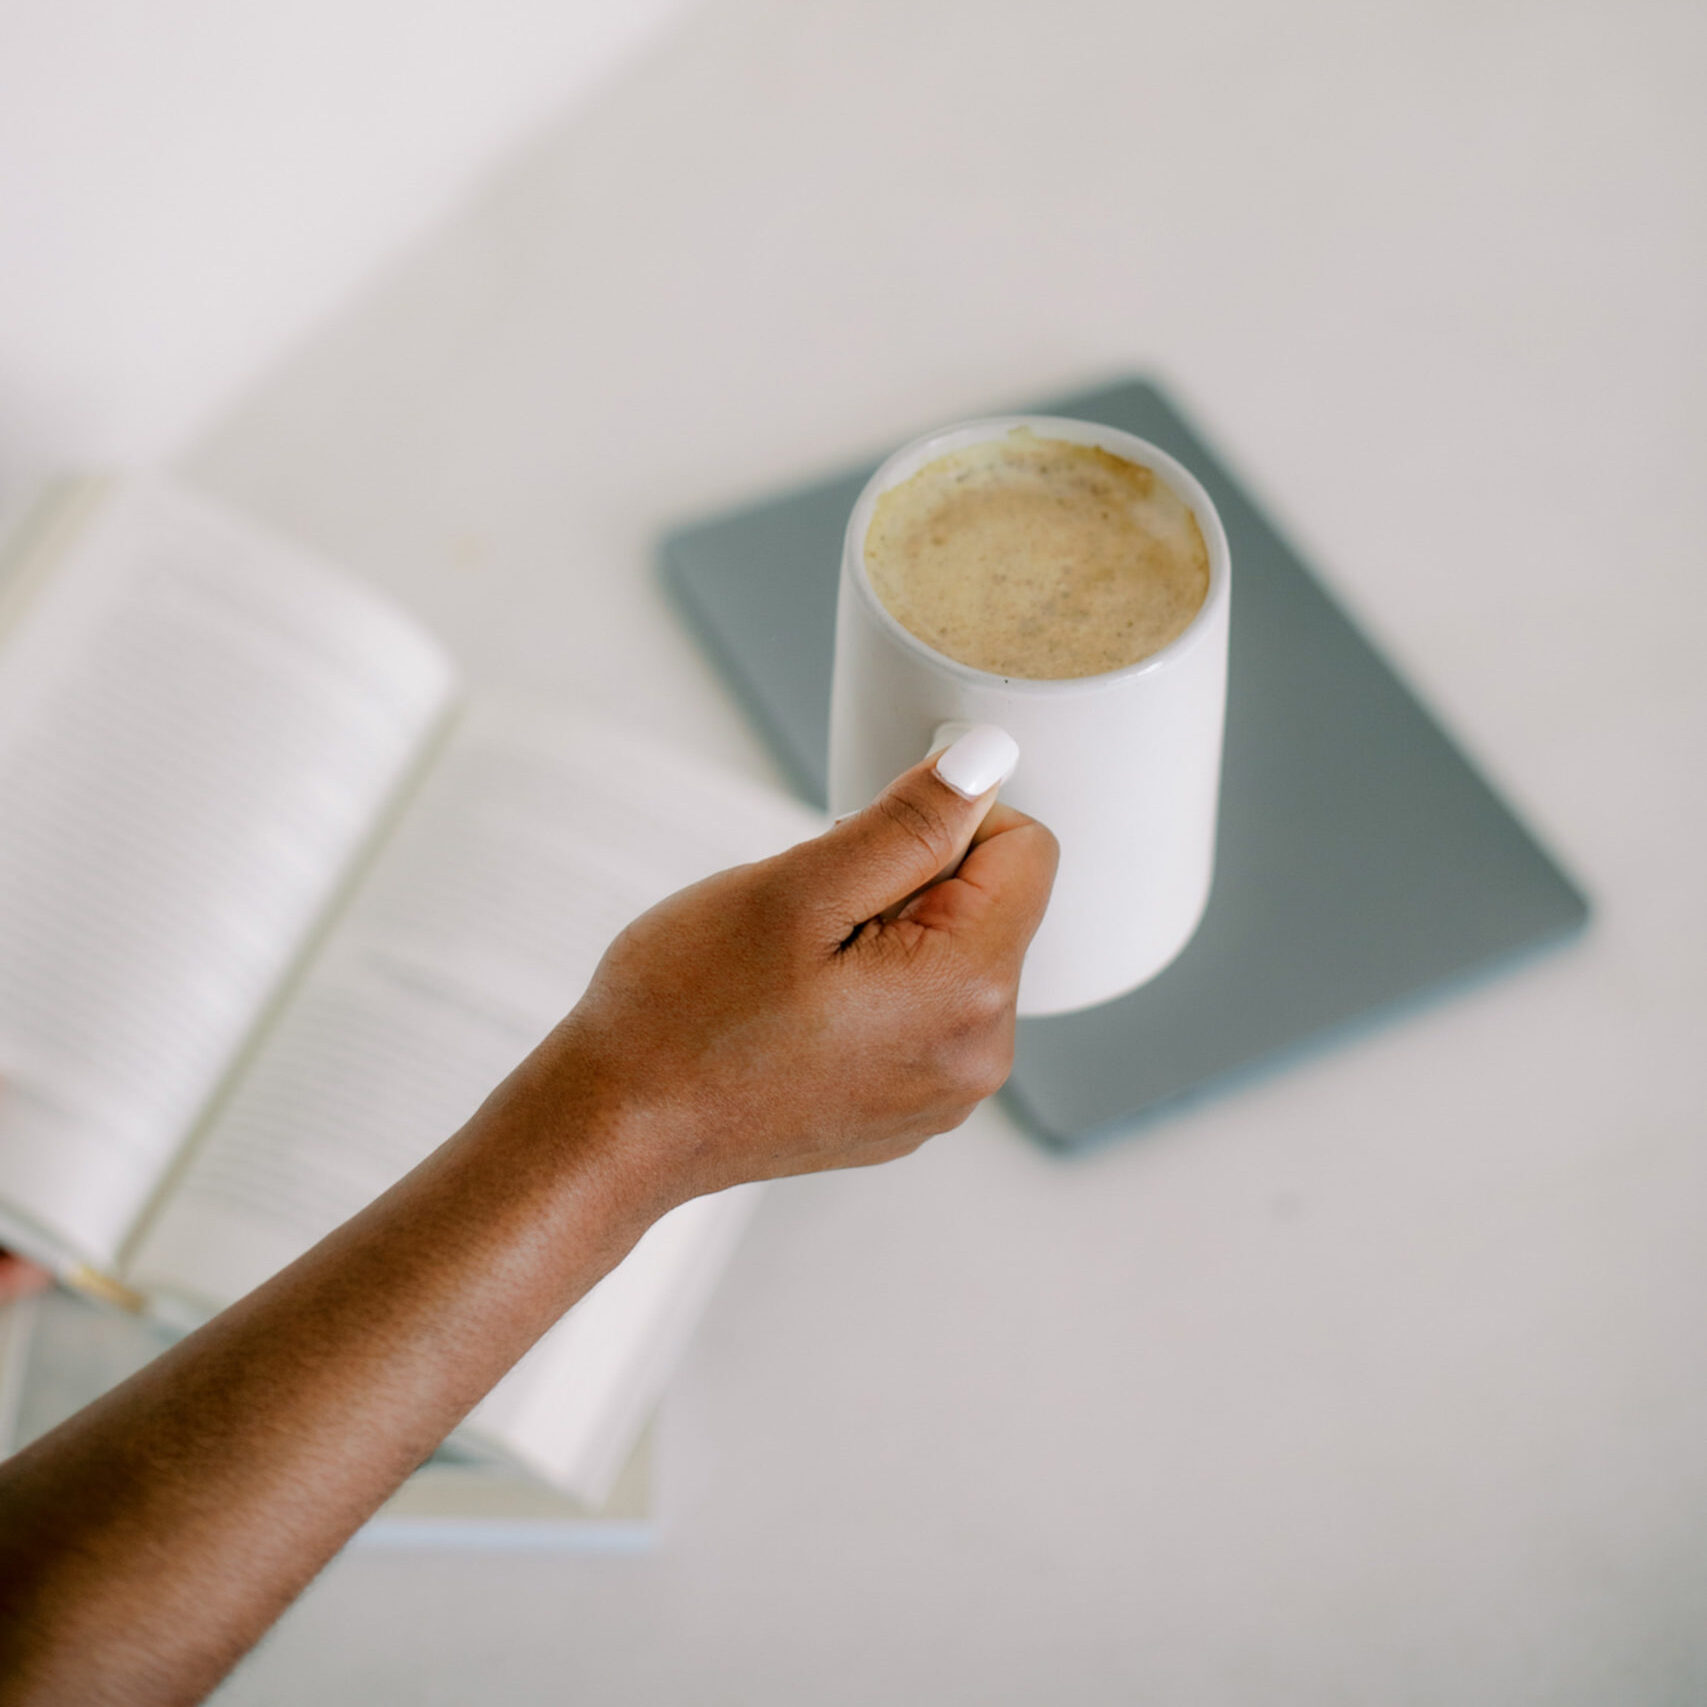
x=917 y=821
x=989 y=1073
x=987 y=1000
x=975 y=1065
x=973 y=1046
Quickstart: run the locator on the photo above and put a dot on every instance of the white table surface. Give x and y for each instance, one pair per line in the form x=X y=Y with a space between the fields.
x=1384 y=1380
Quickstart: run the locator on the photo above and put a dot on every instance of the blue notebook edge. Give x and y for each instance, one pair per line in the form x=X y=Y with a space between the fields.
x=1466 y=981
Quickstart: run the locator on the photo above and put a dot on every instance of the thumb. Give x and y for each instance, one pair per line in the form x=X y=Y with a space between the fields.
x=918 y=829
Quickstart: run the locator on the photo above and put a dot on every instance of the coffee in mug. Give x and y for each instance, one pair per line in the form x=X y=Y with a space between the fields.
x=1038 y=557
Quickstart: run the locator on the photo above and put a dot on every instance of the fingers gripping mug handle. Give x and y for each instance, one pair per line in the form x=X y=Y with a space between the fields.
x=972 y=758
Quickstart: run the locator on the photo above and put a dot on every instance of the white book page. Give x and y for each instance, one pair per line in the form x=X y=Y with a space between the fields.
x=532 y=841
x=199 y=727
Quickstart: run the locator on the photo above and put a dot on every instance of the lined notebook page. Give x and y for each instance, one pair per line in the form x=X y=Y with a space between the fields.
x=533 y=839
x=198 y=729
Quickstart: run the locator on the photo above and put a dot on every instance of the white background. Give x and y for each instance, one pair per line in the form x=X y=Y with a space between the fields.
x=187 y=185
x=1379 y=1381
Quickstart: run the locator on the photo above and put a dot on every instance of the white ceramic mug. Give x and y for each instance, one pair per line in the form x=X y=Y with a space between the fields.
x=1124 y=767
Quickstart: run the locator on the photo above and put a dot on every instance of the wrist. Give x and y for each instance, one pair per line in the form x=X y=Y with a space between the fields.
x=570 y=1117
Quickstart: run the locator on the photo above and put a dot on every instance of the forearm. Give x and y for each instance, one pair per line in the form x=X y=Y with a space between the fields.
x=149 y=1541
x=827 y=1008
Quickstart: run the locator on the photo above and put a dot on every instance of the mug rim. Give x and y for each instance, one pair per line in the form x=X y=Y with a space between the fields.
x=917 y=453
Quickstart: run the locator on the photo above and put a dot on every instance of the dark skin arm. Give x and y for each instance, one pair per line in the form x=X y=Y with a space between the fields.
x=832 y=1007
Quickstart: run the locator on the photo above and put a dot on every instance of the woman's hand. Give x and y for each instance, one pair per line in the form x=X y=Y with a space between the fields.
x=831 y=1007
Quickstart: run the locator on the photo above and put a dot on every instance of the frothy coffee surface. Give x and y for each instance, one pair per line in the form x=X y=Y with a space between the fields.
x=1037 y=557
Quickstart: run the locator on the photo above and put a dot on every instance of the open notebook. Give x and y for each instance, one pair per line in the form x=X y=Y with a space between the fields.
x=277 y=910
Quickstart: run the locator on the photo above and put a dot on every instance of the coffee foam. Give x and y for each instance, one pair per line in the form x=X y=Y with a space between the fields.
x=1039 y=558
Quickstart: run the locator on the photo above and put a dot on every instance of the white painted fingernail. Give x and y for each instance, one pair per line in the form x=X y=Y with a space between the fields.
x=981 y=759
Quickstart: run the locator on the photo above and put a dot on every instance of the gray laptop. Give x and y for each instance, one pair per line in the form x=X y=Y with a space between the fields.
x=1362 y=865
